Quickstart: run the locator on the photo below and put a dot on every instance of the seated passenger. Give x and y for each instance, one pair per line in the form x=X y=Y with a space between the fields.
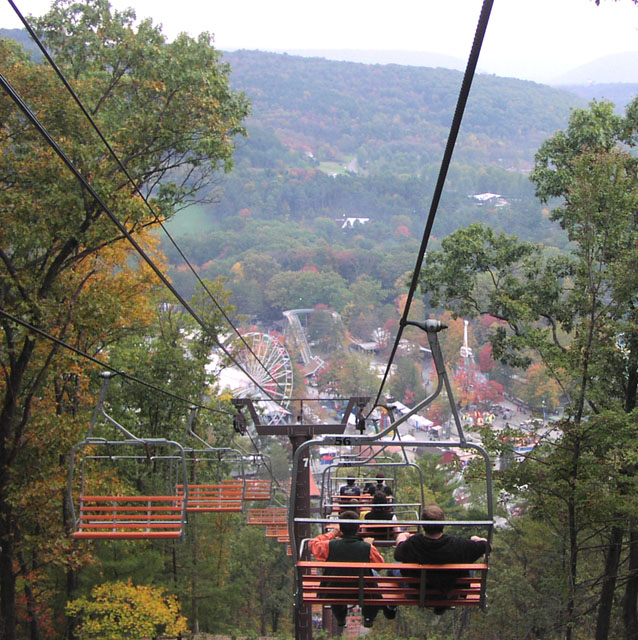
x=350 y=488
x=344 y=545
x=368 y=488
x=380 y=511
x=434 y=547
x=381 y=486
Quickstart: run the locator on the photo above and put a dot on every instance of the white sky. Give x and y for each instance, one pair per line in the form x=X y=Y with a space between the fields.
x=535 y=39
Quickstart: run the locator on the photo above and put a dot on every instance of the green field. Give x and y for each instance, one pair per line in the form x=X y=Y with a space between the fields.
x=191 y=220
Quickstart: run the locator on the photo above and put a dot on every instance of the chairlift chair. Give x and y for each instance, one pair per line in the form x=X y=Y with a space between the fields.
x=215 y=475
x=108 y=504
x=357 y=588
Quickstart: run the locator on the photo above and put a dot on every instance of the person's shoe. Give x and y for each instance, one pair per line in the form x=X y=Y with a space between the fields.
x=390 y=612
x=440 y=610
x=368 y=622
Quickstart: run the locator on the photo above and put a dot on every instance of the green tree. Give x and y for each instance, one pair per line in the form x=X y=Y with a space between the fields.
x=406 y=384
x=577 y=314
x=305 y=289
x=350 y=374
x=57 y=245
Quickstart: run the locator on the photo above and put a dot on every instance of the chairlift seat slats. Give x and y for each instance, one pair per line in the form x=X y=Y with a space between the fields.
x=358 y=588
x=126 y=535
x=276 y=531
x=257 y=490
x=271 y=516
x=213 y=498
x=129 y=517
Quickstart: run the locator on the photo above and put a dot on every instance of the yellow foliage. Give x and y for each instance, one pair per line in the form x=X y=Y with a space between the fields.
x=122 y=610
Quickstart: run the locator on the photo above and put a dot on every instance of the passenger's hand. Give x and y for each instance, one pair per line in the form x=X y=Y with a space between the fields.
x=369 y=540
x=404 y=535
x=478 y=539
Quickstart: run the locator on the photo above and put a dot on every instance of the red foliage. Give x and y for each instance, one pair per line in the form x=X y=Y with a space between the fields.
x=390 y=324
x=436 y=414
x=43 y=613
x=310 y=268
x=486 y=363
x=487 y=320
x=402 y=230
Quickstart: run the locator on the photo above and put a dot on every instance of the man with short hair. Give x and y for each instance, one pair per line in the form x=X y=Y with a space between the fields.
x=350 y=488
x=381 y=486
x=435 y=547
x=344 y=545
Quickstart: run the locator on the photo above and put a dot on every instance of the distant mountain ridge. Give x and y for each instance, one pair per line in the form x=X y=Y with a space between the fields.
x=612 y=69
x=404 y=58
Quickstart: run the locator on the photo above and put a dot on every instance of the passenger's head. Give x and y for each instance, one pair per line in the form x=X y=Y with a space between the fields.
x=380 y=477
x=432 y=512
x=379 y=498
x=350 y=481
x=349 y=528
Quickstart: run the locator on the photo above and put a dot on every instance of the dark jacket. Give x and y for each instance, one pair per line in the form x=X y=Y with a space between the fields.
x=444 y=550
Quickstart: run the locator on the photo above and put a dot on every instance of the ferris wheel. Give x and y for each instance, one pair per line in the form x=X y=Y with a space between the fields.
x=266 y=362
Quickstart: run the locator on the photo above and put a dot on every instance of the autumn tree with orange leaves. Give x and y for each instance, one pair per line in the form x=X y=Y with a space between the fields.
x=64 y=266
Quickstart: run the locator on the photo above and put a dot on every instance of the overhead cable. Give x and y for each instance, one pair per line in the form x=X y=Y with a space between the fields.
x=88 y=356
x=53 y=144
x=88 y=116
x=464 y=92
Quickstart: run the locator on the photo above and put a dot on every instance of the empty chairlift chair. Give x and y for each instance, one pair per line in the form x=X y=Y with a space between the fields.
x=120 y=488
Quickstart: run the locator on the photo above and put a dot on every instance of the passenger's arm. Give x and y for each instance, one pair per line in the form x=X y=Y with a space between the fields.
x=320 y=546
x=402 y=547
x=375 y=556
x=402 y=537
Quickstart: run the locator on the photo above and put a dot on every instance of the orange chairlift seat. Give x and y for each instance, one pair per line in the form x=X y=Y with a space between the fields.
x=353 y=586
x=124 y=488
x=257 y=479
x=215 y=475
x=272 y=516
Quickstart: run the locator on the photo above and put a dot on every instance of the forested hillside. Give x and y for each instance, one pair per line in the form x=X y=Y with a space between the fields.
x=328 y=141
x=394 y=118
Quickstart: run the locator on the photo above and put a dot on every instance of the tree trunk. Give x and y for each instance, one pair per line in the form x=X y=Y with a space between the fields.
x=612 y=561
x=34 y=627
x=194 y=586
x=630 y=600
x=71 y=573
x=7 y=576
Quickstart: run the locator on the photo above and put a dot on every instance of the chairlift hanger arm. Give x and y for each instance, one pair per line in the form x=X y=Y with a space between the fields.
x=299 y=429
x=99 y=408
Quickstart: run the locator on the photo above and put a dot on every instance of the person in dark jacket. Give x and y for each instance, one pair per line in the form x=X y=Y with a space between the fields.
x=344 y=545
x=435 y=547
x=380 y=511
x=381 y=486
x=350 y=488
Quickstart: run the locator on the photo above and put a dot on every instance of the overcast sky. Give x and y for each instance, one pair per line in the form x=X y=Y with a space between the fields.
x=534 y=39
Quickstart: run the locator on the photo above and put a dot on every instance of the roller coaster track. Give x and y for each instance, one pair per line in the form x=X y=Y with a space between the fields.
x=298 y=334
